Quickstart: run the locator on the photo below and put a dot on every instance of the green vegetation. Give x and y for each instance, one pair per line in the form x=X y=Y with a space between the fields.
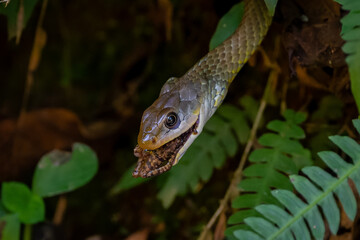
x=283 y=154
x=103 y=64
x=57 y=172
x=351 y=34
x=318 y=191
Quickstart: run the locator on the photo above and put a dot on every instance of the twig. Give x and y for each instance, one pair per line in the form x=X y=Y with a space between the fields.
x=60 y=210
x=35 y=56
x=33 y=63
x=237 y=175
x=232 y=189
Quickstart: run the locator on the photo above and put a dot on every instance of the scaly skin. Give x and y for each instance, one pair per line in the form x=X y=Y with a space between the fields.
x=195 y=96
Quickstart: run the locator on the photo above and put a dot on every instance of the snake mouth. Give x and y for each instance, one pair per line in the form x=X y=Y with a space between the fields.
x=154 y=162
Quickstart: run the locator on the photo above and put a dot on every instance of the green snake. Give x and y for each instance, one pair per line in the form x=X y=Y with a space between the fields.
x=171 y=124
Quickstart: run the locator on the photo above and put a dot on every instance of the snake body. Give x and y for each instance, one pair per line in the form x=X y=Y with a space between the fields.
x=185 y=104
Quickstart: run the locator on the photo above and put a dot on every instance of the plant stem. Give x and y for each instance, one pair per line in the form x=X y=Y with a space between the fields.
x=27 y=232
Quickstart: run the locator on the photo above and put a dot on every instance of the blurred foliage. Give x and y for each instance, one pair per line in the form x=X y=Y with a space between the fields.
x=127 y=181
x=12 y=229
x=57 y=172
x=351 y=34
x=18 y=198
x=327 y=116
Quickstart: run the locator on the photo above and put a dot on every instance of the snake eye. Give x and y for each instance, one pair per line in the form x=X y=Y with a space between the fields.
x=172 y=120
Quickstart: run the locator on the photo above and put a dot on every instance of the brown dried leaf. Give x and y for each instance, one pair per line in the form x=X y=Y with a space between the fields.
x=312 y=36
x=24 y=141
x=306 y=79
x=39 y=44
x=139 y=235
x=166 y=8
x=100 y=129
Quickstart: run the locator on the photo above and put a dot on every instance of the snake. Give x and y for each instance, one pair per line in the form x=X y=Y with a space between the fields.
x=176 y=118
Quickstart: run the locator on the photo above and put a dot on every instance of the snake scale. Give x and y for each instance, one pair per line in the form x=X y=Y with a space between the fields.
x=185 y=104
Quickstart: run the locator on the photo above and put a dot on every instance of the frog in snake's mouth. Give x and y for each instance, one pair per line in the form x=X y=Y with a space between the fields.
x=170 y=125
x=157 y=161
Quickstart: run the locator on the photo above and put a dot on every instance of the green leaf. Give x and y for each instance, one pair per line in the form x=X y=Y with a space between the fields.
x=350 y=32
x=251 y=107
x=310 y=193
x=275 y=214
x=294 y=205
x=229 y=232
x=127 y=181
x=330 y=108
x=352 y=35
x=348 y=145
x=18 y=198
x=260 y=226
x=11 y=230
x=243 y=234
x=286 y=129
x=224 y=134
x=294 y=117
x=271 y=5
x=355 y=76
x=11 y=12
x=245 y=201
x=279 y=160
x=305 y=220
x=3 y=211
x=227 y=25
x=356 y=123
x=286 y=156
x=239 y=217
x=324 y=179
x=173 y=186
x=59 y=172
x=193 y=167
x=236 y=119
x=300 y=155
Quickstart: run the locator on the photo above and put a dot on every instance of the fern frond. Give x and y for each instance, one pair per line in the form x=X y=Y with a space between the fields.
x=283 y=154
x=219 y=140
x=318 y=190
x=351 y=34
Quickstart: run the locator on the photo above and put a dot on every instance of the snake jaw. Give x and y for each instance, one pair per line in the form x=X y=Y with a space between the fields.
x=154 y=162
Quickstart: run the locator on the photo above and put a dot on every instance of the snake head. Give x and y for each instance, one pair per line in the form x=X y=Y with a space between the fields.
x=167 y=129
